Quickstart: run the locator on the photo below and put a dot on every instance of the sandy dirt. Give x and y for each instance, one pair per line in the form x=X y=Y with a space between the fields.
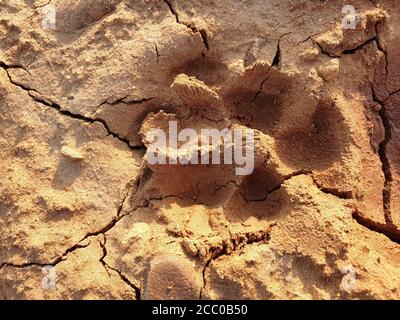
x=319 y=218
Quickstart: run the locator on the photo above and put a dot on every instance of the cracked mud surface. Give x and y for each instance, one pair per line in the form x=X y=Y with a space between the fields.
x=77 y=193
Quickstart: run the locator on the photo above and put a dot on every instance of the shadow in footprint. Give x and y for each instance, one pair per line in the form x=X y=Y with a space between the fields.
x=262 y=113
x=207 y=70
x=66 y=174
x=320 y=144
x=259 y=184
x=273 y=206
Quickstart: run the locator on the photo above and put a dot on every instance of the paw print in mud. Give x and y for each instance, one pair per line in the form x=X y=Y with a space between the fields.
x=208 y=210
x=294 y=132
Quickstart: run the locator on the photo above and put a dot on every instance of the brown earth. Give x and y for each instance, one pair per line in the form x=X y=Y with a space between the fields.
x=77 y=193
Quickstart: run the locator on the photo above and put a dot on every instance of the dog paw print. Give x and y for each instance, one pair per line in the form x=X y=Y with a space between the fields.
x=293 y=132
x=206 y=210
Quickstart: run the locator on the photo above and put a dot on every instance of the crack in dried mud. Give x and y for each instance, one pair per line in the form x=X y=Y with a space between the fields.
x=76 y=246
x=347 y=51
x=344 y=195
x=202 y=32
x=279 y=186
x=70 y=114
x=230 y=246
x=388 y=231
x=276 y=60
x=384 y=159
x=107 y=267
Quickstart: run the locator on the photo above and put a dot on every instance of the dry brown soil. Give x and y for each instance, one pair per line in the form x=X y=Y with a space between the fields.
x=76 y=191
